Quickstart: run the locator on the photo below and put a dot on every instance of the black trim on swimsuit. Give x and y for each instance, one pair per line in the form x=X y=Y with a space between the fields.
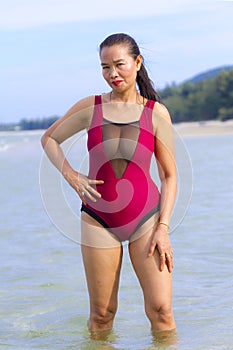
x=145 y=218
x=95 y=216
x=105 y=225
x=120 y=124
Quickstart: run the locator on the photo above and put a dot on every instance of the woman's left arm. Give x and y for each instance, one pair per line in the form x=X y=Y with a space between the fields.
x=165 y=156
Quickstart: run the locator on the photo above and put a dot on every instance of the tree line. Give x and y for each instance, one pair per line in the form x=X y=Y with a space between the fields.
x=29 y=124
x=208 y=99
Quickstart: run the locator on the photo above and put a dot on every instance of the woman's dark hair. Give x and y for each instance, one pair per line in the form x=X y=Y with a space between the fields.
x=145 y=85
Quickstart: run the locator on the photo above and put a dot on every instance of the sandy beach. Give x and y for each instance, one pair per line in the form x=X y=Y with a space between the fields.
x=205 y=128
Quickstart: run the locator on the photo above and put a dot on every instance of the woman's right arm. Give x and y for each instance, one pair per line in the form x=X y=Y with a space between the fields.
x=75 y=120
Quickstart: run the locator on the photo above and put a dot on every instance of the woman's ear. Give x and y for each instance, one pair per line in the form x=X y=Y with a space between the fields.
x=139 y=62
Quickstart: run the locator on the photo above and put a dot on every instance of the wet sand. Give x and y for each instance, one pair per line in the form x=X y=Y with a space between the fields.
x=205 y=128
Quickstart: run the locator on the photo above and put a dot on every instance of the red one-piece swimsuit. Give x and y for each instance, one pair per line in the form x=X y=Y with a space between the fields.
x=130 y=200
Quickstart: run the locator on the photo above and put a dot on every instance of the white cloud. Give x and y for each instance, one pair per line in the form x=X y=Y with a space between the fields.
x=16 y=14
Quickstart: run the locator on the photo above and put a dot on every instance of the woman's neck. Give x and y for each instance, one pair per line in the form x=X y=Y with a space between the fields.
x=128 y=97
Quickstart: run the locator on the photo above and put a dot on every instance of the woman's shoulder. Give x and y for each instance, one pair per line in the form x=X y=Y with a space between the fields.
x=76 y=119
x=161 y=119
x=161 y=111
x=83 y=104
x=82 y=110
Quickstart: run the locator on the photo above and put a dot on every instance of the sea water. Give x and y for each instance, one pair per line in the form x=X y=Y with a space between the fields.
x=43 y=294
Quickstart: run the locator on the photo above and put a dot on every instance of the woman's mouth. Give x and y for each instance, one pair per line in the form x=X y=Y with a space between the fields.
x=117 y=82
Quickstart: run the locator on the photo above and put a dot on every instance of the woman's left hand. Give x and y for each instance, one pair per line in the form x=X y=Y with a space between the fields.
x=161 y=242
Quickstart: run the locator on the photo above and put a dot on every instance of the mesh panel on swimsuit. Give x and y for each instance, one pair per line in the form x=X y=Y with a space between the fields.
x=120 y=155
x=120 y=140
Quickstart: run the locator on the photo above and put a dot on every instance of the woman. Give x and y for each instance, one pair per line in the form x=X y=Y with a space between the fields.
x=119 y=199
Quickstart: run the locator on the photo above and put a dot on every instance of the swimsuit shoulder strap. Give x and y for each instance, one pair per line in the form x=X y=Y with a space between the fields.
x=147 y=115
x=98 y=100
x=150 y=104
x=97 y=113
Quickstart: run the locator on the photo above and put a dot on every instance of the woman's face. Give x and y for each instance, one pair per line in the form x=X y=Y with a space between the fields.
x=119 y=68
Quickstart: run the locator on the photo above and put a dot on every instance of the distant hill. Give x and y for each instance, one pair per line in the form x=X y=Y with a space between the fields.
x=207 y=96
x=209 y=74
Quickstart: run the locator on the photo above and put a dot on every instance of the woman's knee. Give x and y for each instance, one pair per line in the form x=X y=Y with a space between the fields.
x=102 y=317
x=165 y=315
x=160 y=316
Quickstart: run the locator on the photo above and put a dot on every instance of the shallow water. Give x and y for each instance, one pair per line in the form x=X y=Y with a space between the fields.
x=43 y=296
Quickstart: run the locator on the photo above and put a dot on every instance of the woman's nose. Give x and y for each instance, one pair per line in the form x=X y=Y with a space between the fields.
x=113 y=72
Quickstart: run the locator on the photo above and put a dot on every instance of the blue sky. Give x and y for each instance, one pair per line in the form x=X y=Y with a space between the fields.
x=49 y=49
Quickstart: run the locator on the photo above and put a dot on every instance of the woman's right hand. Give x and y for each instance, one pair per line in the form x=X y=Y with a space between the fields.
x=83 y=185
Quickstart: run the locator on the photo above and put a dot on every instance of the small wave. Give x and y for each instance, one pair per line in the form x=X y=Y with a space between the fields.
x=4 y=147
x=9 y=140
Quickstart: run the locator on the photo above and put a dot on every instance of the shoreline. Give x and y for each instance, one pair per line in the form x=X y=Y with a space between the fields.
x=210 y=127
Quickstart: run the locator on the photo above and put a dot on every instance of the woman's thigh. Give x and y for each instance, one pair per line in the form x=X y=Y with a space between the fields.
x=102 y=267
x=156 y=284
